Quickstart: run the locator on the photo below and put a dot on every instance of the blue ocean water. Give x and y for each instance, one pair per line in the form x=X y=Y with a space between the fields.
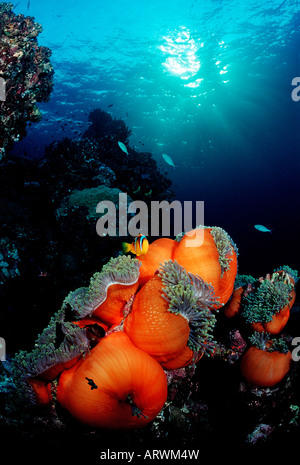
x=206 y=81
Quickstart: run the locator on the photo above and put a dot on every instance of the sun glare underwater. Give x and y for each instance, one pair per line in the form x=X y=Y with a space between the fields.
x=193 y=102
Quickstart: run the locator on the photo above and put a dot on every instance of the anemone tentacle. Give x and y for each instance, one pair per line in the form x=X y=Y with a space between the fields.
x=191 y=297
x=266 y=298
x=172 y=273
x=60 y=342
x=225 y=245
x=205 y=293
x=288 y=271
x=243 y=280
x=265 y=342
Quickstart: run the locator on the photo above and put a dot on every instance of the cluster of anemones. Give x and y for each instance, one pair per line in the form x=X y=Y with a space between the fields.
x=107 y=350
x=263 y=306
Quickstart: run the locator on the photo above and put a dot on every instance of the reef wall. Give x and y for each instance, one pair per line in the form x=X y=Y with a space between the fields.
x=26 y=75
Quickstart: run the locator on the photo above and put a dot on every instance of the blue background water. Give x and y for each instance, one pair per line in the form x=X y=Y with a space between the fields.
x=207 y=82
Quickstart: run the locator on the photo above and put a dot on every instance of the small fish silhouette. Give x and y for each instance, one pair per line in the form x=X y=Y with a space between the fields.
x=123 y=147
x=91 y=383
x=168 y=160
x=262 y=228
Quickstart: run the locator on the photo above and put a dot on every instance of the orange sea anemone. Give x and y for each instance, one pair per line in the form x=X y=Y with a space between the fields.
x=117 y=386
x=267 y=362
x=159 y=251
x=108 y=292
x=211 y=254
x=233 y=306
x=171 y=317
x=242 y=285
x=267 y=305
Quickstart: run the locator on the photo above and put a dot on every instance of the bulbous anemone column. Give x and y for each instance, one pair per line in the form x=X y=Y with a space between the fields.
x=267 y=361
x=171 y=317
x=117 y=386
x=212 y=256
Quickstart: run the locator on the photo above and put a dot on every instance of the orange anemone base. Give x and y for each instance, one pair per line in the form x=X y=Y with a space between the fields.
x=116 y=386
x=264 y=369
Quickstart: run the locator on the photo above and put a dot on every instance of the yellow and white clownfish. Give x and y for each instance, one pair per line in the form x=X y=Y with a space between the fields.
x=139 y=246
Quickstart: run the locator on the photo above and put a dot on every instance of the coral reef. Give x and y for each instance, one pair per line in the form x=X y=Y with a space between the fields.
x=196 y=410
x=110 y=300
x=103 y=125
x=27 y=72
x=48 y=222
x=140 y=178
x=49 y=246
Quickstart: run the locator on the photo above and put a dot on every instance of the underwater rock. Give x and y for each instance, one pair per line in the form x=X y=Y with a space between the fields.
x=25 y=71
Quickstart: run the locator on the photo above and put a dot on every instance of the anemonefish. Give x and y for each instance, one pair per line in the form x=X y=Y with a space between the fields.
x=139 y=246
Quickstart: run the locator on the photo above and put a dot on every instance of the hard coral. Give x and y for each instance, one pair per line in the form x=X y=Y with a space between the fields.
x=27 y=72
x=89 y=198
